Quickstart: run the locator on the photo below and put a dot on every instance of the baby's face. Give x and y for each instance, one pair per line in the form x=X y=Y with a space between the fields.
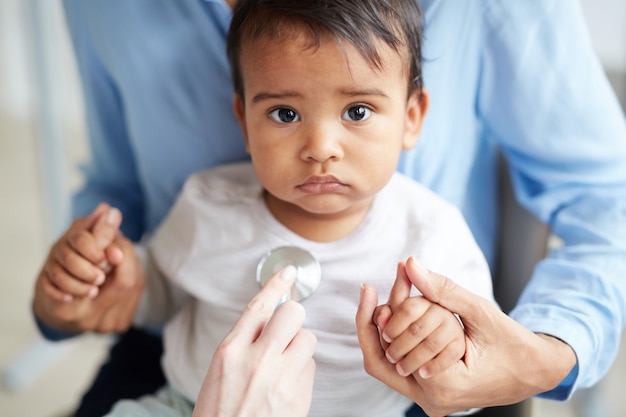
x=324 y=128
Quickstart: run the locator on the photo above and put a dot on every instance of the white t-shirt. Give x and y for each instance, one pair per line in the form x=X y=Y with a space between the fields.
x=202 y=262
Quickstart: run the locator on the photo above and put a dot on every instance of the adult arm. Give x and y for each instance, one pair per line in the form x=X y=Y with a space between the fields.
x=111 y=173
x=547 y=102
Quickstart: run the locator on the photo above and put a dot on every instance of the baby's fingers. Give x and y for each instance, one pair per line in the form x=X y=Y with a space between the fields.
x=77 y=266
x=106 y=228
x=447 y=357
x=427 y=347
x=409 y=316
x=67 y=283
x=91 y=243
x=51 y=290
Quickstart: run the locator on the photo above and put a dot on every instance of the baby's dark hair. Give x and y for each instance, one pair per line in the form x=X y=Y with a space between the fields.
x=362 y=23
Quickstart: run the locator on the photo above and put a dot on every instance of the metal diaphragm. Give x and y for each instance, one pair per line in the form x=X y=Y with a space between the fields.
x=309 y=271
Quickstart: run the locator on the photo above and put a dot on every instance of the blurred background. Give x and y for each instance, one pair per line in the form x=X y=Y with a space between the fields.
x=42 y=143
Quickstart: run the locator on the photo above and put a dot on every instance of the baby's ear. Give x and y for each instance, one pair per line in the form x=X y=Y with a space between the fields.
x=240 y=113
x=416 y=108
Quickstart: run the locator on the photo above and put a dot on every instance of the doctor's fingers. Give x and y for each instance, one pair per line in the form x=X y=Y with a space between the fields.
x=260 y=309
x=298 y=379
x=301 y=349
x=283 y=326
x=297 y=363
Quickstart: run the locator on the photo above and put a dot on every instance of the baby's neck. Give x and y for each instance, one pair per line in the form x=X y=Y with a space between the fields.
x=318 y=227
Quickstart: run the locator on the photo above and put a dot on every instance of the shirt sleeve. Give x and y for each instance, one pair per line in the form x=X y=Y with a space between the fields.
x=161 y=298
x=111 y=173
x=166 y=258
x=470 y=269
x=548 y=104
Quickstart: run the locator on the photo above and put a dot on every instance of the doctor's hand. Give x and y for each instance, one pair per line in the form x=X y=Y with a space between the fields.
x=504 y=362
x=264 y=366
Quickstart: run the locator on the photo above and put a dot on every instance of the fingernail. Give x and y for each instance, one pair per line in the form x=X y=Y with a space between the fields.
x=114 y=216
x=401 y=371
x=420 y=268
x=105 y=266
x=93 y=292
x=99 y=278
x=424 y=373
x=386 y=338
x=289 y=273
x=389 y=358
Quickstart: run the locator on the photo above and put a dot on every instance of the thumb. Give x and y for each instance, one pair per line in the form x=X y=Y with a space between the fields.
x=375 y=362
x=106 y=227
x=401 y=289
x=129 y=271
x=367 y=331
x=88 y=222
x=444 y=291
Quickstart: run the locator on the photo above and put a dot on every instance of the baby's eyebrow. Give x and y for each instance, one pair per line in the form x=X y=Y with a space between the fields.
x=272 y=96
x=364 y=92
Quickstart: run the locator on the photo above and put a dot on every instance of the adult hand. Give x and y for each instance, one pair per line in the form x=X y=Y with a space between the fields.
x=264 y=366
x=112 y=307
x=504 y=362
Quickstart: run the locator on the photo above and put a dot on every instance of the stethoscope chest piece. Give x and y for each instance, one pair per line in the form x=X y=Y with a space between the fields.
x=309 y=270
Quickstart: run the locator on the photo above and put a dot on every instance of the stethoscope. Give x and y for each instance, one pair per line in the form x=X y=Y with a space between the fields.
x=309 y=271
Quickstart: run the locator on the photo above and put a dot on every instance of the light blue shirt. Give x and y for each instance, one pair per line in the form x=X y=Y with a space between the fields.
x=518 y=77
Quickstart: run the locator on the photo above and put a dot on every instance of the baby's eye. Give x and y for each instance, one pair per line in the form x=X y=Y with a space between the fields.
x=284 y=115
x=357 y=113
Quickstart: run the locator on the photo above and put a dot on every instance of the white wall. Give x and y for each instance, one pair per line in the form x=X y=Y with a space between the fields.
x=607 y=23
x=39 y=87
x=15 y=92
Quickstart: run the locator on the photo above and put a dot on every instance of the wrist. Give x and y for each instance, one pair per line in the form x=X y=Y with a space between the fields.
x=554 y=361
x=50 y=331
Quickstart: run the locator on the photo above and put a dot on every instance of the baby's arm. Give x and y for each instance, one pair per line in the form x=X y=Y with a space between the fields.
x=79 y=260
x=420 y=337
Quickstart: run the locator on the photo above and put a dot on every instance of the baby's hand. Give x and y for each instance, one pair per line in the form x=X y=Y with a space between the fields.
x=423 y=337
x=420 y=337
x=79 y=261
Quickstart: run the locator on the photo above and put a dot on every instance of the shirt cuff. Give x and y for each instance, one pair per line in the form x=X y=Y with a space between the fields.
x=51 y=333
x=565 y=388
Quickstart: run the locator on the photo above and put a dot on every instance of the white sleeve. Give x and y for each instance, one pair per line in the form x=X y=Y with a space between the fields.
x=453 y=252
x=161 y=298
